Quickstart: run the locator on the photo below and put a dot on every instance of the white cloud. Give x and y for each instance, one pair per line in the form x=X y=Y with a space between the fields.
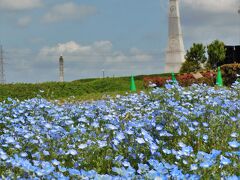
x=24 y=21
x=68 y=11
x=20 y=4
x=102 y=49
x=88 y=60
x=214 y=6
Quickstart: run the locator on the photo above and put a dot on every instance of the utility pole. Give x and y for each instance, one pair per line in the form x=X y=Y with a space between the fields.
x=2 y=77
x=103 y=73
x=61 y=69
x=239 y=22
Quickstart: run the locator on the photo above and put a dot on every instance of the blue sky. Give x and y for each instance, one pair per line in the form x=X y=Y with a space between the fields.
x=123 y=37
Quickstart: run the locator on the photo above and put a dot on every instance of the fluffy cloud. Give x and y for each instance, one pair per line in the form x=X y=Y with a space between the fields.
x=80 y=61
x=213 y=6
x=83 y=61
x=24 y=21
x=68 y=11
x=101 y=49
x=20 y=4
x=73 y=48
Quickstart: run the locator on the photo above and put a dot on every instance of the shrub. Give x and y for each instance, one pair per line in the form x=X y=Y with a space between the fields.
x=229 y=73
x=185 y=79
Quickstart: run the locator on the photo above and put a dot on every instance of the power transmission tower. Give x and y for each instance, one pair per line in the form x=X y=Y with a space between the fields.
x=2 y=77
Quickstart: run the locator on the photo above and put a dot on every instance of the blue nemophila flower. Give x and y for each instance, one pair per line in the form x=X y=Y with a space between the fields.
x=48 y=126
x=142 y=168
x=193 y=167
x=153 y=147
x=233 y=144
x=140 y=140
x=129 y=132
x=62 y=169
x=126 y=163
x=233 y=118
x=234 y=135
x=120 y=136
x=72 y=152
x=10 y=140
x=102 y=144
x=205 y=138
x=187 y=150
x=120 y=171
x=55 y=162
x=111 y=127
x=181 y=144
x=83 y=119
x=69 y=122
x=118 y=158
x=224 y=160
x=23 y=154
x=74 y=172
x=167 y=151
x=165 y=133
x=82 y=146
x=195 y=123
x=3 y=156
x=206 y=164
x=46 y=153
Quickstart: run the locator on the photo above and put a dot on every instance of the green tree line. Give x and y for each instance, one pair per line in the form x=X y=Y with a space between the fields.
x=200 y=57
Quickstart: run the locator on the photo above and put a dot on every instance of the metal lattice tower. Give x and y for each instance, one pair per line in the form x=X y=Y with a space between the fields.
x=61 y=69
x=2 y=76
x=175 y=50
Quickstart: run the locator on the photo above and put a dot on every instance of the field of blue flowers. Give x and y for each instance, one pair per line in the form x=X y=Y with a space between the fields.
x=168 y=133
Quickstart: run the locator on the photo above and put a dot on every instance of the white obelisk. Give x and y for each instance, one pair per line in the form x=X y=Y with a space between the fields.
x=175 y=50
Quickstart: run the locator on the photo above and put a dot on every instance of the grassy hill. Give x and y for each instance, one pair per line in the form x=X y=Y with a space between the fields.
x=83 y=89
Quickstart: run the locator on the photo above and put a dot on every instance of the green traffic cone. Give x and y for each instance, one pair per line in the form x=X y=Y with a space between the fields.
x=132 y=85
x=173 y=78
x=219 y=78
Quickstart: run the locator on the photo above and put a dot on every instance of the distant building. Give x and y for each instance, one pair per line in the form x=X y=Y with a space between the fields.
x=232 y=54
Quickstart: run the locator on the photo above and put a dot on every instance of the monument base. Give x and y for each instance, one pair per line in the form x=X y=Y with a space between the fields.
x=174 y=61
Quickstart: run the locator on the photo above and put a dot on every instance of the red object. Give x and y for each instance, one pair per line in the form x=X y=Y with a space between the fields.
x=185 y=79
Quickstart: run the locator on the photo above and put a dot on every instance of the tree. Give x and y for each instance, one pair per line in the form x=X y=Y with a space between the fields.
x=189 y=66
x=216 y=54
x=195 y=57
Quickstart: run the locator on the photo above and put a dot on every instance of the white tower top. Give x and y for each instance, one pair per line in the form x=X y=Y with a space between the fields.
x=175 y=50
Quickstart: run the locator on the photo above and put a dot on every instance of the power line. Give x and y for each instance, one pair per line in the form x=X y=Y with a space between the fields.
x=2 y=76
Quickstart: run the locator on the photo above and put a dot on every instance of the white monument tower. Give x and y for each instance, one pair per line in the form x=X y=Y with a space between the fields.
x=61 y=69
x=175 y=50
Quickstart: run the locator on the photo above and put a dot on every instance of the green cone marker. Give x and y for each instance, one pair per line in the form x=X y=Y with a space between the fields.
x=132 y=85
x=173 y=78
x=219 y=81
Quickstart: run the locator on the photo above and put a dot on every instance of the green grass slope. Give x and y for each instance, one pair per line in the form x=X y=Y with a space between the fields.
x=84 y=89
